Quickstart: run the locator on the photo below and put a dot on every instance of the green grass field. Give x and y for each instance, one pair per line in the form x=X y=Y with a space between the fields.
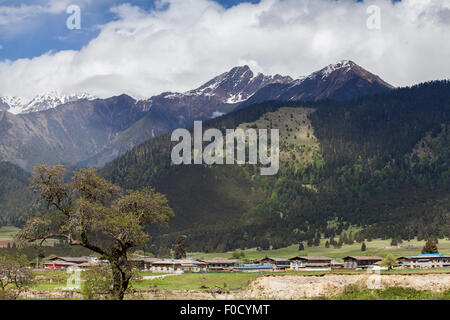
x=200 y=281
x=8 y=232
x=376 y=247
x=54 y=280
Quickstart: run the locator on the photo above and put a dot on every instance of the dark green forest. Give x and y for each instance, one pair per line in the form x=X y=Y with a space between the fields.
x=15 y=197
x=383 y=166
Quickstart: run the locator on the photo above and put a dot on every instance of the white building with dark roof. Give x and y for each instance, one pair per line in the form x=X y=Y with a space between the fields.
x=307 y=263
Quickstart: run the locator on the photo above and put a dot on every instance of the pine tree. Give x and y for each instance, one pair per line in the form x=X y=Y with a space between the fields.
x=301 y=247
x=327 y=244
x=363 y=246
x=430 y=247
x=179 y=249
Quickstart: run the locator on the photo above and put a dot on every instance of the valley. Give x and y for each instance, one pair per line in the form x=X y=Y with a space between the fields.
x=378 y=162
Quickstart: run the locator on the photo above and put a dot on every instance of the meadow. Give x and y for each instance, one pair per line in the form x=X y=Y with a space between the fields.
x=7 y=233
x=200 y=281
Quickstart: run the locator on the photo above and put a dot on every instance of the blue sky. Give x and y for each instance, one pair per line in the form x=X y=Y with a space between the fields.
x=40 y=32
x=145 y=47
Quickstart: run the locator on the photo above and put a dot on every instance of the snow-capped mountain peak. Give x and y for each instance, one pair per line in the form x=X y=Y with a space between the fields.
x=343 y=66
x=237 y=85
x=11 y=104
x=43 y=102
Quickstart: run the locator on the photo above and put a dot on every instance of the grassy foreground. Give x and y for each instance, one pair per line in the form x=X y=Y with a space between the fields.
x=48 y=281
x=394 y=293
x=51 y=280
x=200 y=281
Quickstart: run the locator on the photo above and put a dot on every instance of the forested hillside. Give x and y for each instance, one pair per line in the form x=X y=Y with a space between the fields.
x=15 y=197
x=380 y=163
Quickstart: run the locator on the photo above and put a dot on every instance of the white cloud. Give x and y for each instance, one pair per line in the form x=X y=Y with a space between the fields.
x=179 y=47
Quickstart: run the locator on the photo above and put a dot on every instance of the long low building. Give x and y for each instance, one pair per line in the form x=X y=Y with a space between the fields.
x=75 y=260
x=310 y=263
x=173 y=266
x=218 y=264
x=276 y=263
x=143 y=263
x=55 y=262
x=424 y=261
x=254 y=268
x=59 y=264
x=361 y=262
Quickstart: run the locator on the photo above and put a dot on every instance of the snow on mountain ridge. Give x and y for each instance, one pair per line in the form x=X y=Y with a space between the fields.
x=237 y=85
x=343 y=65
x=11 y=104
x=43 y=102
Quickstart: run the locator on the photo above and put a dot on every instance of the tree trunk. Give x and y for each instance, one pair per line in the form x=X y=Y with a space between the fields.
x=122 y=273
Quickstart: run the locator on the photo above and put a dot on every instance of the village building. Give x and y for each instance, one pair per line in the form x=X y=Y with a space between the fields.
x=307 y=263
x=74 y=260
x=403 y=262
x=143 y=263
x=361 y=262
x=254 y=268
x=424 y=261
x=219 y=264
x=175 y=266
x=276 y=263
x=59 y=264
x=66 y=262
x=148 y=263
x=335 y=265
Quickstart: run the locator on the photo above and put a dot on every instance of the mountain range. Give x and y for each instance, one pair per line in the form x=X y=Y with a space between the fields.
x=17 y=105
x=81 y=130
x=354 y=152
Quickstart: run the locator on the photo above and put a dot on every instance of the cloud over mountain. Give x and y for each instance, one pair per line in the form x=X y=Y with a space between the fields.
x=181 y=43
